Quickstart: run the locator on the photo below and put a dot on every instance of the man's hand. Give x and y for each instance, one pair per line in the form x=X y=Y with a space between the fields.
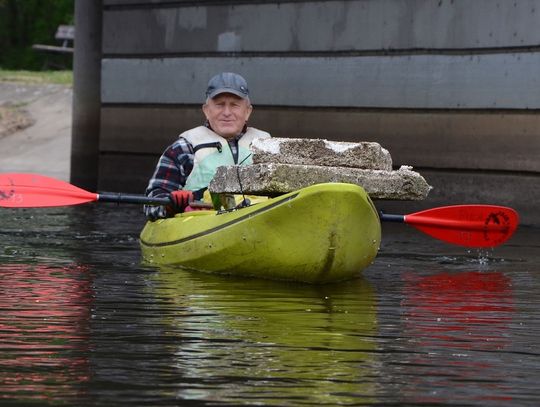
x=180 y=200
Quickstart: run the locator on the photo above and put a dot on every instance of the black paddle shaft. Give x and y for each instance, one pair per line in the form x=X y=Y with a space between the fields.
x=386 y=217
x=134 y=199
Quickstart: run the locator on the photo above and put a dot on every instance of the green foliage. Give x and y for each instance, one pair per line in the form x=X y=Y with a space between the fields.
x=27 y=22
x=58 y=77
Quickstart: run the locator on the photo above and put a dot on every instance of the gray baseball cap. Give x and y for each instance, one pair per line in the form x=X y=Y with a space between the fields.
x=227 y=82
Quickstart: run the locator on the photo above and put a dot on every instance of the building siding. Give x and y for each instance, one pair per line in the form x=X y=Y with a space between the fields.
x=450 y=87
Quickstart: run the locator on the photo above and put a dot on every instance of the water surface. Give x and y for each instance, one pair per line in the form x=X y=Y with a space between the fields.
x=82 y=322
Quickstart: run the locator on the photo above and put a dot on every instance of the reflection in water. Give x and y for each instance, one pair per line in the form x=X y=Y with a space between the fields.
x=457 y=322
x=261 y=341
x=44 y=330
x=420 y=327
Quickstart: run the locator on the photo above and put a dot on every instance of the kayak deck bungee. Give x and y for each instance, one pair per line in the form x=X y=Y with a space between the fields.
x=321 y=233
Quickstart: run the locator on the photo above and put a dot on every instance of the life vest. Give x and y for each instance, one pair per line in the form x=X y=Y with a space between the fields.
x=212 y=151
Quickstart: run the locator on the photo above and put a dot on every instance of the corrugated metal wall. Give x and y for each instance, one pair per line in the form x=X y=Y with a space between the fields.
x=451 y=87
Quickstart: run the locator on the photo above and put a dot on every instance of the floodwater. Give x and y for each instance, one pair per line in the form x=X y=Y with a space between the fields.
x=83 y=323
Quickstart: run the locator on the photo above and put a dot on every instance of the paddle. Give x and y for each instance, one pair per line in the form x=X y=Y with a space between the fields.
x=465 y=225
x=34 y=191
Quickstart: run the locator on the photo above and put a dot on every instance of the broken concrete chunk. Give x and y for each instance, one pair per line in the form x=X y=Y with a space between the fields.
x=275 y=179
x=367 y=155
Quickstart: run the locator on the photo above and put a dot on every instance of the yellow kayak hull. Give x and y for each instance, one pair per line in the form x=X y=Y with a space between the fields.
x=322 y=233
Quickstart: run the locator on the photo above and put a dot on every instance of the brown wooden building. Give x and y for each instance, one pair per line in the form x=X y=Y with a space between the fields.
x=451 y=87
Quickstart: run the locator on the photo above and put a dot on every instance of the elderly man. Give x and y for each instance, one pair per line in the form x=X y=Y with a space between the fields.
x=189 y=164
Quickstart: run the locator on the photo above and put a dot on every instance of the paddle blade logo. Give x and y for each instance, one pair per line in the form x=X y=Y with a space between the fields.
x=499 y=226
x=9 y=197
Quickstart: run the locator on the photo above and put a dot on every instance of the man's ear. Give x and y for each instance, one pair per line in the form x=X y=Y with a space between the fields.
x=205 y=110
x=250 y=109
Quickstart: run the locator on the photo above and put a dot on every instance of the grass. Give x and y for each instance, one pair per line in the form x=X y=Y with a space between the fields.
x=37 y=77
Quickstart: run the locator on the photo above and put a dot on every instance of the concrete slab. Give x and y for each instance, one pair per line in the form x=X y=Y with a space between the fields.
x=297 y=151
x=273 y=179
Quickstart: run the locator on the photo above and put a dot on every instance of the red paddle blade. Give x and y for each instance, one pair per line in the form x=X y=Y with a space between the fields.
x=467 y=225
x=33 y=191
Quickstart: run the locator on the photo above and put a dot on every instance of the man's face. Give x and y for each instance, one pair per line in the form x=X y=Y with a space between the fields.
x=227 y=114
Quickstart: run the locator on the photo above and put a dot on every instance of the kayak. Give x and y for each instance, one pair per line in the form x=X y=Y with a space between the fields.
x=321 y=233
x=318 y=234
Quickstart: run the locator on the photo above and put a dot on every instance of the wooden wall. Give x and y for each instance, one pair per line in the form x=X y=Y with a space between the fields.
x=451 y=87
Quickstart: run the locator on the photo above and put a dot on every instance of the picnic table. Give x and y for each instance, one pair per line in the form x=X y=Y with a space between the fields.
x=65 y=34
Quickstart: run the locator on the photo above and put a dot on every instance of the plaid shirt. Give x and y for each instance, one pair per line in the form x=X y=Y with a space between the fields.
x=172 y=171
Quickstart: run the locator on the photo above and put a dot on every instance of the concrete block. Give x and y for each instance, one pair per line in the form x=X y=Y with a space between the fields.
x=272 y=179
x=297 y=151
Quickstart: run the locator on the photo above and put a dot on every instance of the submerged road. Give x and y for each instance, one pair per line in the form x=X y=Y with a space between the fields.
x=45 y=146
